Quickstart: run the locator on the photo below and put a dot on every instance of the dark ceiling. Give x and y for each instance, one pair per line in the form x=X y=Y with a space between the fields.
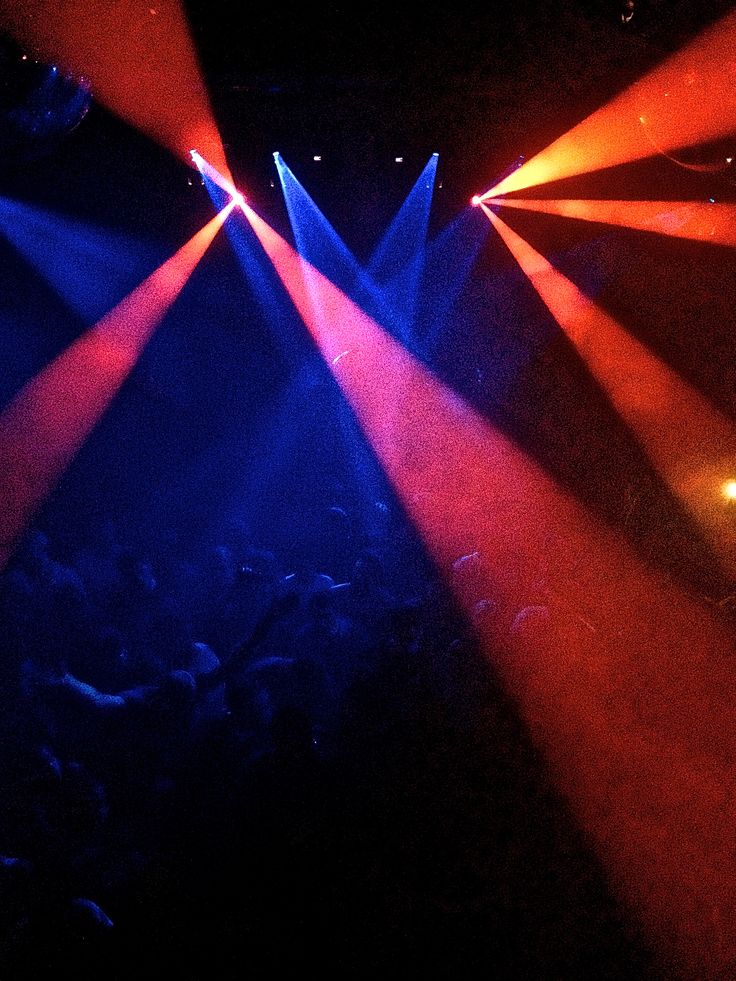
x=360 y=86
x=479 y=84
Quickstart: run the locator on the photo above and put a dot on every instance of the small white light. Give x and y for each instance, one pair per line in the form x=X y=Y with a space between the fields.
x=399 y=160
x=316 y=158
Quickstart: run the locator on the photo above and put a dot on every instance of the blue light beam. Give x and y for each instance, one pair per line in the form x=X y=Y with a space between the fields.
x=398 y=261
x=266 y=287
x=90 y=269
x=317 y=241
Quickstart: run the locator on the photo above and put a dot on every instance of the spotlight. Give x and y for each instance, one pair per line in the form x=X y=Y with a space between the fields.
x=398 y=160
x=317 y=158
x=475 y=200
x=238 y=201
x=729 y=490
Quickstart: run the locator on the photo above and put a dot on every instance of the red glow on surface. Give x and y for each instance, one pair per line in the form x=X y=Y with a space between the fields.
x=628 y=688
x=690 y=98
x=140 y=61
x=689 y=442
x=48 y=421
x=715 y=223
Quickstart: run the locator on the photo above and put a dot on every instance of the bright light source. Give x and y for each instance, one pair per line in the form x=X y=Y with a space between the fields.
x=238 y=201
x=612 y=134
x=276 y=154
x=475 y=200
x=316 y=158
x=399 y=160
x=729 y=490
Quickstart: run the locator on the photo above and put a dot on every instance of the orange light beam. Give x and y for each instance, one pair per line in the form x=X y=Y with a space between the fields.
x=47 y=422
x=714 y=223
x=688 y=99
x=628 y=691
x=139 y=58
x=691 y=444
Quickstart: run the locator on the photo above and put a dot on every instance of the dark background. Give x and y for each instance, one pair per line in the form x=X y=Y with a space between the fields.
x=231 y=417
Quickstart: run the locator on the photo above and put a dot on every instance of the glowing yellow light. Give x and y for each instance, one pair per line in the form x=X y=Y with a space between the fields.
x=729 y=490
x=699 y=79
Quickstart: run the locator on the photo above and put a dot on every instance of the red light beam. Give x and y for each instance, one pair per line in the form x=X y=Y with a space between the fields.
x=714 y=223
x=689 y=442
x=48 y=421
x=216 y=177
x=139 y=58
x=627 y=690
x=690 y=98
